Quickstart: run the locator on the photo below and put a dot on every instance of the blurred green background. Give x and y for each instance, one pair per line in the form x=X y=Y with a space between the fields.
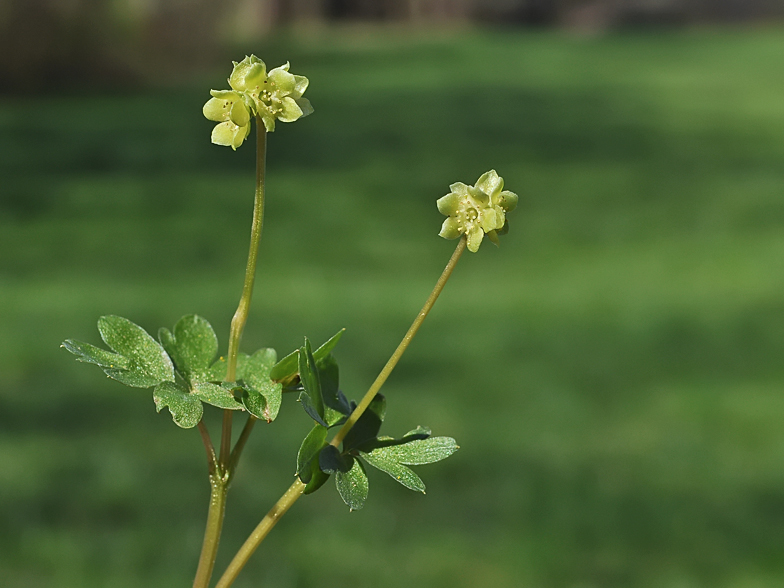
x=613 y=372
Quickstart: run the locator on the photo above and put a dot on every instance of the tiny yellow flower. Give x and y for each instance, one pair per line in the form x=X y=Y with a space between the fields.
x=477 y=210
x=272 y=96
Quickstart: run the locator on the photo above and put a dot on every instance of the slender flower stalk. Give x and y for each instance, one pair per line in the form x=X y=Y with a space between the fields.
x=296 y=489
x=221 y=470
x=241 y=315
x=401 y=348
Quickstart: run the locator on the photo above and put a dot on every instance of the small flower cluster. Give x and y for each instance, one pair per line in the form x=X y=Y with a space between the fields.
x=273 y=95
x=477 y=210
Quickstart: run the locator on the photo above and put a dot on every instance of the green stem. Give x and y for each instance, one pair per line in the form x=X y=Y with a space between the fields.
x=222 y=467
x=241 y=315
x=259 y=533
x=240 y=445
x=212 y=460
x=209 y=549
x=384 y=374
x=295 y=490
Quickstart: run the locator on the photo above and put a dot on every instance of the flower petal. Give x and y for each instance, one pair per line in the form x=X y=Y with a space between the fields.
x=475 y=239
x=223 y=134
x=490 y=182
x=282 y=80
x=450 y=229
x=248 y=73
x=300 y=85
x=256 y=76
x=304 y=105
x=217 y=109
x=489 y=220
x=507 y=200
x=225 y=94
x=500 y=218
x=239 y=114
x=240 y=135
x=479 y=196
x=448 y=204
x=268 y=119
x=290 y=110
x=459 y=188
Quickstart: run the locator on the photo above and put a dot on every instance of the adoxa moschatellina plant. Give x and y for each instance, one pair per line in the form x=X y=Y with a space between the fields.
x=184 y=370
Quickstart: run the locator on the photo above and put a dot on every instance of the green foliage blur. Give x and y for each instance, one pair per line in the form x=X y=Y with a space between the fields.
x=613 y=373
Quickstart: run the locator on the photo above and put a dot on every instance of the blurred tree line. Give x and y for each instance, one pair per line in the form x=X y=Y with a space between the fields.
x=47 y=44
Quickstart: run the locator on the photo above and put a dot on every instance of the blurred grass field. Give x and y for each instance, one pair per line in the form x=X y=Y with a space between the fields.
x=613 y=373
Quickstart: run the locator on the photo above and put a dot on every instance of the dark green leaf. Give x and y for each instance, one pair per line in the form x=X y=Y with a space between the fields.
x=185 y=408
x=331 y=461
x=353 y=485
x=329 y=345
x=309 y=450
x=148 y=363
x=286 y=367
x=336 y=406
x=419 y=451
x=310 y=398
x=311 y=410
x=384 y=462
x=368 y=425
x=289 y=365
x=216 y=395
x=317 y=480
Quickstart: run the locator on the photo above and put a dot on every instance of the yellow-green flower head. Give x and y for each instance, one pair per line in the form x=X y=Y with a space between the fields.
x=272 y=96
x=477 y=210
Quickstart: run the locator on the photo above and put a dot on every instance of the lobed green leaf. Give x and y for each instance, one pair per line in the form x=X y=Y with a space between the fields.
x=148 y=363
x=216 y=395
x=418 y=451
x=261 y=396
x=95 y=355
x=186 y=410
x=353 y=485
x=384 y=462
x=193 y=345
x=217 y=371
